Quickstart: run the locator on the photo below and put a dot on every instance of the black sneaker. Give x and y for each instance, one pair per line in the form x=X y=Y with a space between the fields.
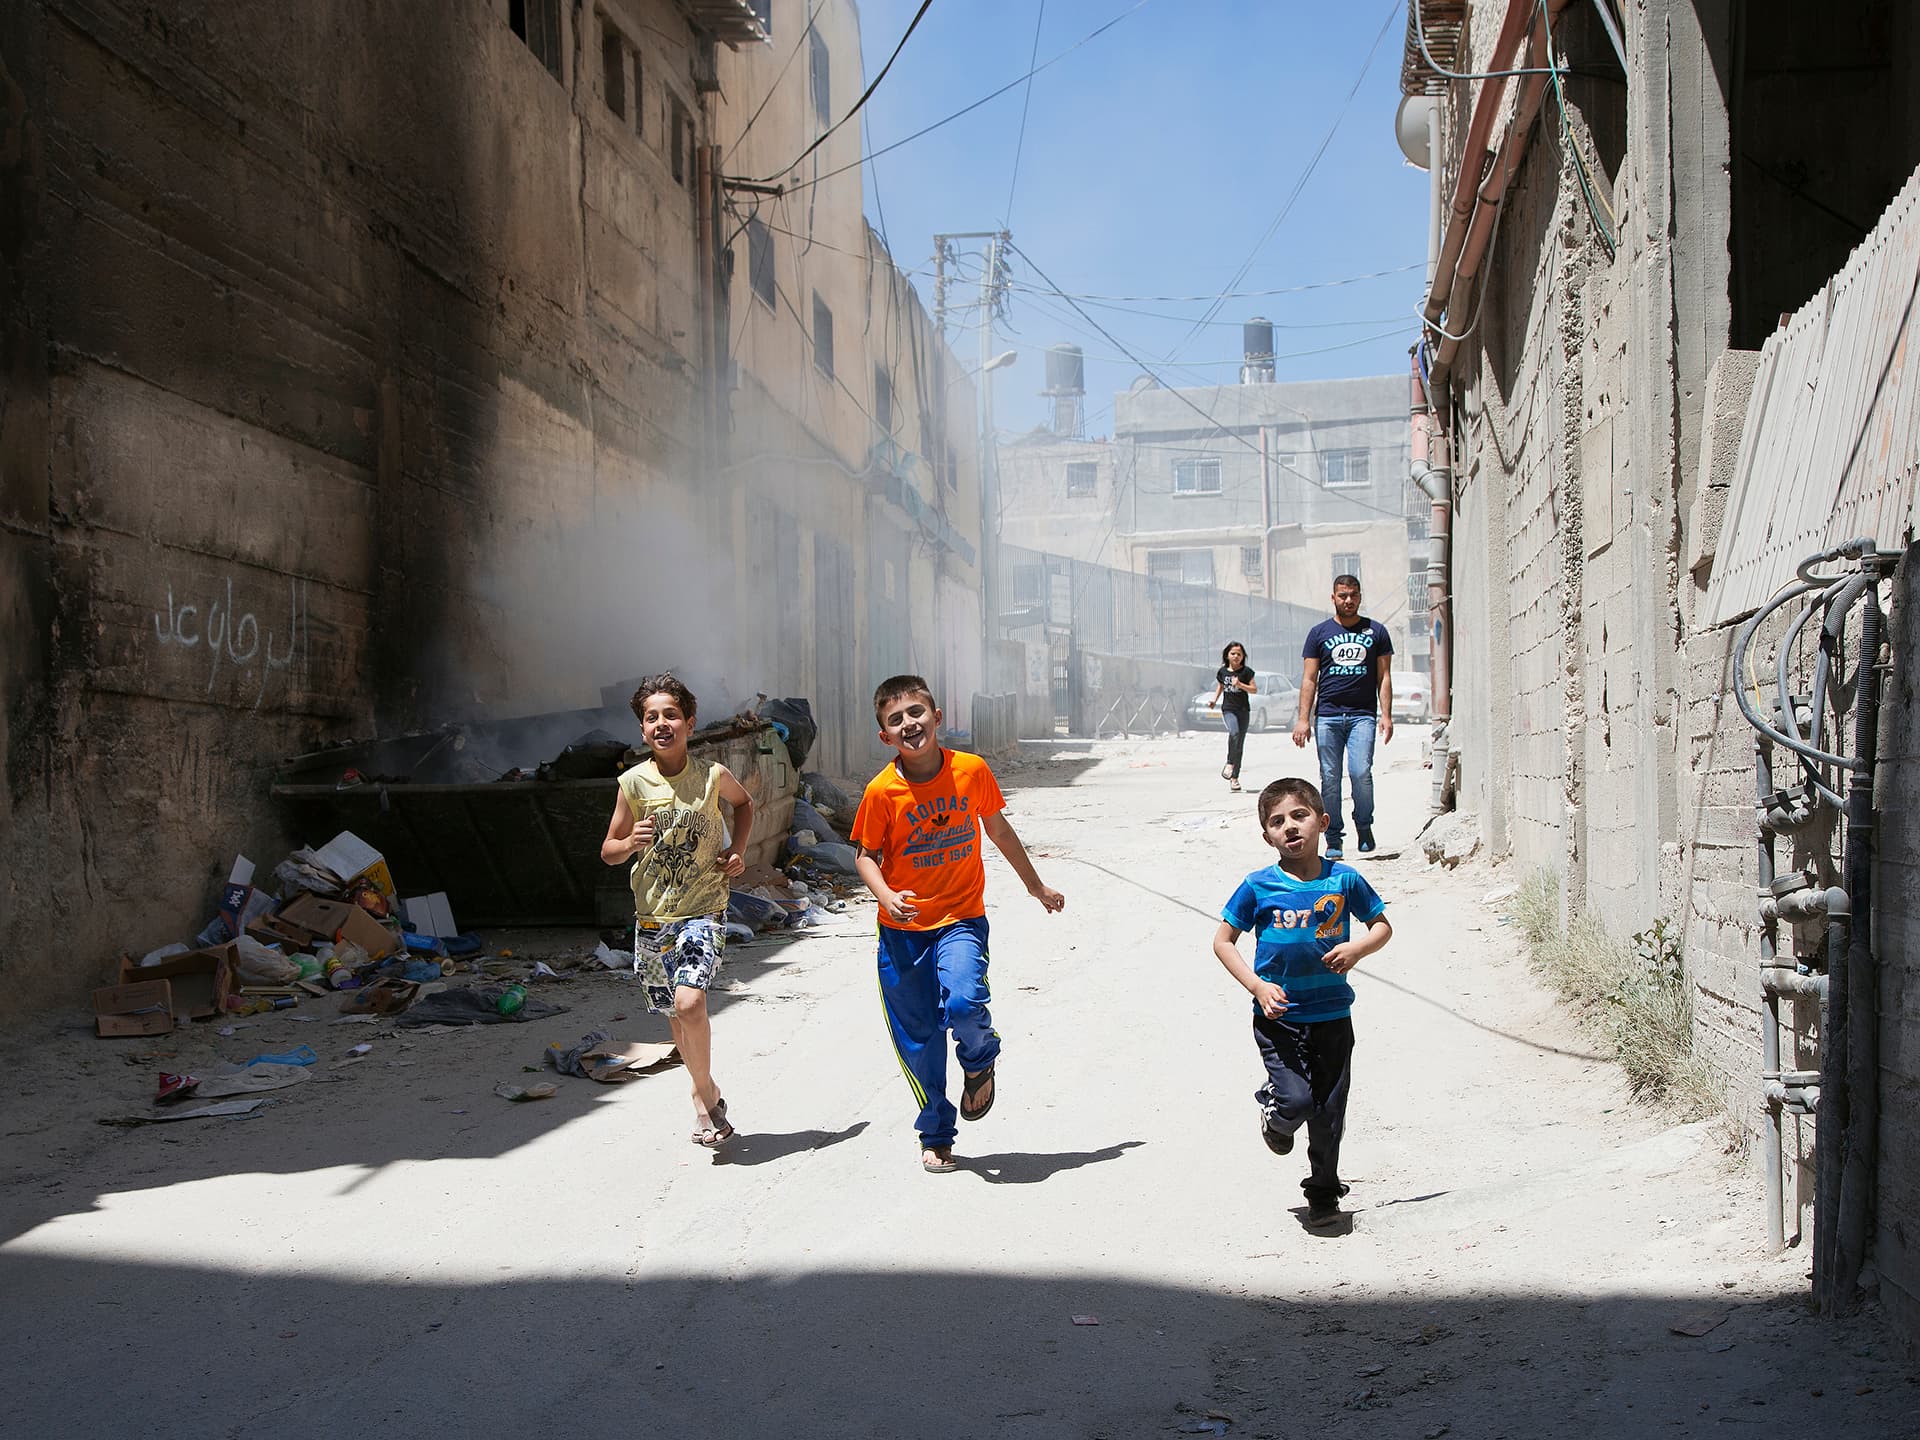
x=1278 y=1141
x=1366 y=839
x=1323 y=1209
x=1333 y=851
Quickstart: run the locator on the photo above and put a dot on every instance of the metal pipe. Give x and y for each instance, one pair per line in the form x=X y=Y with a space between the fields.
x=1830 y=1119
x=1506 y=163
x=1770 y=1010
x=1473 y=155
x=1863 y=1017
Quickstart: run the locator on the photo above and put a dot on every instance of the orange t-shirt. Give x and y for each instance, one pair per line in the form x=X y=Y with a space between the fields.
x=928 y=837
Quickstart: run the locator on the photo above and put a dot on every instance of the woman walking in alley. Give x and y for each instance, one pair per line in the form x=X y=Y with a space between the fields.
x=1233 y=682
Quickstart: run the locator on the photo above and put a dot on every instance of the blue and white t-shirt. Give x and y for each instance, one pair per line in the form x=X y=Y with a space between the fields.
x=1296 y=922
x=1349 y=679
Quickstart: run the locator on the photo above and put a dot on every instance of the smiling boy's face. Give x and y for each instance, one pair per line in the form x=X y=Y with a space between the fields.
x=663 y=724
x=910 y=724
x=1293 y=827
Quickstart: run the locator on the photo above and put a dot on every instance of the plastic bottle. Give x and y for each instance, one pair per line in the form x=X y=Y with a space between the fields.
x=512 y=998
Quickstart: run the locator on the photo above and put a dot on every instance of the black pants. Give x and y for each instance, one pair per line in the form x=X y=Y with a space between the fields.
x=1236 y=723
x=1308 y=1067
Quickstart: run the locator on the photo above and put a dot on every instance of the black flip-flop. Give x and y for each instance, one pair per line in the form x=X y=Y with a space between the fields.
x=970 y=1089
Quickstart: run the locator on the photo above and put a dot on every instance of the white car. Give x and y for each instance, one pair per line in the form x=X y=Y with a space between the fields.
x=1409 y=696
x=1269 y=707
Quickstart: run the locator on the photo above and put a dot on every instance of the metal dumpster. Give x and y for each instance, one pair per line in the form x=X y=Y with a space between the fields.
x=513 y=851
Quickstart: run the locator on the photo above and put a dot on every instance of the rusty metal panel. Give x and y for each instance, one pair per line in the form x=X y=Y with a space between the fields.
x=1831 y=447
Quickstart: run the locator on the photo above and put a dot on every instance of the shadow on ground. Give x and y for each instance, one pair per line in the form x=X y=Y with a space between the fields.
x=438 y=1106
x=846 y=1354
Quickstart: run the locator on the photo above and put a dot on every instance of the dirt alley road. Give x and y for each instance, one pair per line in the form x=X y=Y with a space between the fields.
x=394 y=1251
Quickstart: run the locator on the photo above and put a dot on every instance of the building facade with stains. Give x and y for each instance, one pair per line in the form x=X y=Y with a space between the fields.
x=1634 y=206
x=375 y=367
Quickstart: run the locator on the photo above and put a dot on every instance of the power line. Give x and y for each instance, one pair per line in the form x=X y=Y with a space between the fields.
x=1215 y=427
x=984 y=99
x=1006 y=221
x=867 y=94
x=1248 y=294
x=787 y=64
x=1301 y=184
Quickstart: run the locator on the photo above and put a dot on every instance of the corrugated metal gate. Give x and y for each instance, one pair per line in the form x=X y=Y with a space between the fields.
x=1832 y=439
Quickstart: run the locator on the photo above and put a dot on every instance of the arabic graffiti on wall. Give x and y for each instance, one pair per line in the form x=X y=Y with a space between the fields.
x=236 y=640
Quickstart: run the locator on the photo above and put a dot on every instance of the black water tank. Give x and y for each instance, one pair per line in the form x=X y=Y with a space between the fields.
x=1066 y=370
x=1256 y=340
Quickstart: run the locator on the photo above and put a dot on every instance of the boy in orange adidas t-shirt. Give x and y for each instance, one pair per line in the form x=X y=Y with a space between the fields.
x=918 y=829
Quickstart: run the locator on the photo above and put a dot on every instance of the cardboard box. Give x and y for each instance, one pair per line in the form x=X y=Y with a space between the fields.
x=198 y=981
x=144 y=1007
x=352 y=859
x=277 y=930
x=430 y=915
x=339 y=921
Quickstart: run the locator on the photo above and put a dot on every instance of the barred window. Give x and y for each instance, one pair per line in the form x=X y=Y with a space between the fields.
x=1196 y=477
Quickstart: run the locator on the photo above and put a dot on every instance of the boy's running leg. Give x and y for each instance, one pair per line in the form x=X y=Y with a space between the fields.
x=962 y=959
x=1330 y=738
x=910 y=998
x=1286 y=1100
x=1329 y=1047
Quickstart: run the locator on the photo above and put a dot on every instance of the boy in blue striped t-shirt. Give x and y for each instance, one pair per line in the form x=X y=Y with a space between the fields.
x=1301 y=912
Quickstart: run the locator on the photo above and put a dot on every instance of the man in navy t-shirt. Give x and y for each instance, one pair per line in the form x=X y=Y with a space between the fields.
x=1345 y=692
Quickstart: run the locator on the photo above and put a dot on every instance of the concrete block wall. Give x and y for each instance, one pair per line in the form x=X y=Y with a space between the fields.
x=354 y=384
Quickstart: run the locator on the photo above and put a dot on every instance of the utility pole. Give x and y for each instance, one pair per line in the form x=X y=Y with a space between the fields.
x=993 y=292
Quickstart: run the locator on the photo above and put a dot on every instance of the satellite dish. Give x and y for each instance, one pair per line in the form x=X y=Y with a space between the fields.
x=1410 y=129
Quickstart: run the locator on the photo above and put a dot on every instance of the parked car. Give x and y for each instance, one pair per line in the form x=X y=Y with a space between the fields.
x=1409 y=696
x=1271 y=706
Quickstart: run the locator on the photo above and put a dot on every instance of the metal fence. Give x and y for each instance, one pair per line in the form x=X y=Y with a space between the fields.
x=1119 y=612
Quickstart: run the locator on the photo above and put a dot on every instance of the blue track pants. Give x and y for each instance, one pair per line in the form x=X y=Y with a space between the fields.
x=933 y=982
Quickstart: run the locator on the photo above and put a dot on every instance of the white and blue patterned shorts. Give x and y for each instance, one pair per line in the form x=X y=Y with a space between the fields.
x=676 y=953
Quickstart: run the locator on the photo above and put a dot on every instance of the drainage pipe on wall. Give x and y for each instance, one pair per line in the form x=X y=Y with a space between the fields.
x=1863 y=1016
x=1845 y=1099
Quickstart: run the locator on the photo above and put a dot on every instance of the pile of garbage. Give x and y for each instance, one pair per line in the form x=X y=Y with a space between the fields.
x=328 y=919
x=816 y=875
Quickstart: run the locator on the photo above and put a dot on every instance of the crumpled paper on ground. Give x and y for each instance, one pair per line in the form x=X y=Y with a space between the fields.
x=609 y=1061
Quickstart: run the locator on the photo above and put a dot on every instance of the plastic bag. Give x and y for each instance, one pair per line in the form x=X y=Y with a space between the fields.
x=258 y=964
x=794 y=716
x=807 y=820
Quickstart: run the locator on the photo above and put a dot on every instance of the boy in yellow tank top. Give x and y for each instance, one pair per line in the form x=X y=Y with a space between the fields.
x=667 y=821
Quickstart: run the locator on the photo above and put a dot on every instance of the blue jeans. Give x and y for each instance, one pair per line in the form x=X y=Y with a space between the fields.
x=1236 y=724
x=933 y=983
x=1353 y=736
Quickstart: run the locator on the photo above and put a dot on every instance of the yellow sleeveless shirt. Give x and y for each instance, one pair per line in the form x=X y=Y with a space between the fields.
x=678 y=877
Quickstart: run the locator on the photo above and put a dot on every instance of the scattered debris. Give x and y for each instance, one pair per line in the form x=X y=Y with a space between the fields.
x=609 y=1061
x=545 y=1090
x=199 y=1112
x=1086 y=1319
x=1700 y=1323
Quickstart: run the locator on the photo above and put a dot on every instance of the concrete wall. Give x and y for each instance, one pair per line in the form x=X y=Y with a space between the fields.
x=1599 y=410
x=355 y=382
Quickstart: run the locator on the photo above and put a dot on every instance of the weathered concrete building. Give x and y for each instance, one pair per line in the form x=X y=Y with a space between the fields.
x=371 y=368
x=1627 y=201
x=1257 y=489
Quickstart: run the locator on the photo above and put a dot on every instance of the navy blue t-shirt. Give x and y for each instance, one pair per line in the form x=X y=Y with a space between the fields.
x=1349 y=665
x=1294 y=923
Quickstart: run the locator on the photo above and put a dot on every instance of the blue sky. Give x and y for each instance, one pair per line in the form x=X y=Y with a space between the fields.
x=1155 y=157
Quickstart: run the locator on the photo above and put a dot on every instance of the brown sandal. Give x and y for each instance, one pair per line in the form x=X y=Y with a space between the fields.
x=718 y=1129
x=938 y=1160
x=970 y=1093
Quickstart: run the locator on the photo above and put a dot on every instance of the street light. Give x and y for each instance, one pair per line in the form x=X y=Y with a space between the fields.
x=998 y=362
